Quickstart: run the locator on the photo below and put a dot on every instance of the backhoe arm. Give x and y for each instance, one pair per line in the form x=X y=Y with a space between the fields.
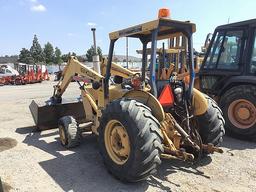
x=74 y=67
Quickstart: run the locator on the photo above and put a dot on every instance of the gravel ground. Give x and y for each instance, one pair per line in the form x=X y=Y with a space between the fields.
x=34 y=161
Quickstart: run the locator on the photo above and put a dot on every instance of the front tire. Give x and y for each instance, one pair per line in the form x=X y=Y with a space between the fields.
x=239 y=107
x=69 y=132
x=211 y=124
x=137 y=155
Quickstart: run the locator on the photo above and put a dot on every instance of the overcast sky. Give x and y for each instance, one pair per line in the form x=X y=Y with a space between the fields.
x=67 y=23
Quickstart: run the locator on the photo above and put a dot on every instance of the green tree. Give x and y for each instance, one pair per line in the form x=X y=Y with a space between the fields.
x=57 y=56
x=25 y=56
x=48 y=53
x=65 y=57
x=81 y=59
x=36 y=51
x=91 y=52
x=99 y=52
x=73 y=54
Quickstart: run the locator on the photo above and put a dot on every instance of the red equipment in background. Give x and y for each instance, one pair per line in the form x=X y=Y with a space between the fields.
x=46 y=76
x=31 y=74
x=7 y=74
x=23 y=74
x=2 y=81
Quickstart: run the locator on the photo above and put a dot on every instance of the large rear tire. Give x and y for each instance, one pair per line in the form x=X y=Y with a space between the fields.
x=211 y=124
x=239 y=107
x=130 y=140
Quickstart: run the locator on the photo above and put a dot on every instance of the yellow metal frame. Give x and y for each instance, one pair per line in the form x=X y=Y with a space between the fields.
x=149 y=100
x=94 y=100
x=199 y=103
x=146 y=29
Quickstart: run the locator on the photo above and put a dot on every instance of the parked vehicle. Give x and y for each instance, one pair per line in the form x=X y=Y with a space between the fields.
x=137 y=121
x=7 y=74
x=32 y=73
x=228 y=73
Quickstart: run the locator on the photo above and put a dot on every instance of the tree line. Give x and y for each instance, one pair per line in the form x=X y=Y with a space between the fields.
x=50 y=55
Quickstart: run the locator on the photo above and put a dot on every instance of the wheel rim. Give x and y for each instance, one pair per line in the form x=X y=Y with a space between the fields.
x=117 y=142
x=62 y=135
x=242 y=113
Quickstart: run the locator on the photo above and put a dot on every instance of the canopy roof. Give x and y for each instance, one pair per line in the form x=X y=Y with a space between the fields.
x=165 y=28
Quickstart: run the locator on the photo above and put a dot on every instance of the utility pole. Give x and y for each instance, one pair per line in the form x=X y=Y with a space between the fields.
x=95 y=58
x=127 y=52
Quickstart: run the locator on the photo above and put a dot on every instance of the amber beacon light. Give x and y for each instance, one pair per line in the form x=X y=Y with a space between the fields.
x=164 y=13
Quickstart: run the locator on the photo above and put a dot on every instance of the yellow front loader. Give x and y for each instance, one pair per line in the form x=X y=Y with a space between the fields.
x=139 y=118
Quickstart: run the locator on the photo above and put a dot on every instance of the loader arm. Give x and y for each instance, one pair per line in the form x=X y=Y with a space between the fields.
x=74 y=67
x=116 y=70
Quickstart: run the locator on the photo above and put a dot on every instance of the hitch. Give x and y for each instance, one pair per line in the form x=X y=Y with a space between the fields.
x=210 y=148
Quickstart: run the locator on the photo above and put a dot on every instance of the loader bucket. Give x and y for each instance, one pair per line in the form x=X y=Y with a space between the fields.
x=47 y=115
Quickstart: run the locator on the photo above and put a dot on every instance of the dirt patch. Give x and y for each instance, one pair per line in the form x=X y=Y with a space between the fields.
x=7 y=143
x=40 y=163
x=4 y=119
x=6 y=187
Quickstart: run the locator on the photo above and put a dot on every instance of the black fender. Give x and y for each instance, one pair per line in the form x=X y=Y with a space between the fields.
x=237 y=80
